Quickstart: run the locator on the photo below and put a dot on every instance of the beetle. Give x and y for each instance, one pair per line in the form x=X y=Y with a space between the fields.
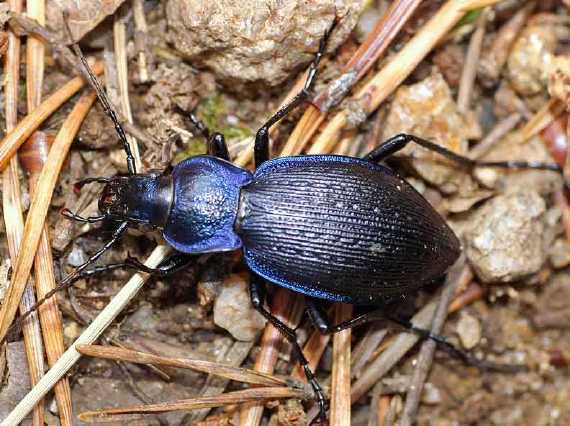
x=330 y=227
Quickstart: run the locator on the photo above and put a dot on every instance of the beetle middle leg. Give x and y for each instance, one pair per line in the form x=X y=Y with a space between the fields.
x=261 y=147
x=399 y=142
x=71 y=278
x=257 y=294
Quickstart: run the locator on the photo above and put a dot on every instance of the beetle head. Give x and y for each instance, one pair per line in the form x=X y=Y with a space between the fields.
x=113 y=202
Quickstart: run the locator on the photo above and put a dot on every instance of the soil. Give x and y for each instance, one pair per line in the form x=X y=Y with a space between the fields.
x=519 y=314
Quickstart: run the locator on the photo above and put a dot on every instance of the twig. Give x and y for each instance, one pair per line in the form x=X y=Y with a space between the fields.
x=235 y=356
x=228 y=372
x=340 y=382
x=377 y=42
x=237 y=397
x=91 y=333
x=394 y=408
x=378 y=406
x=37 y=146
x=541 y=119
x=39 y=208
x=12 y=141
x=304 y=130
x=14 y=217
x=366 y=347
x=427 y=351
x=140 y=39
x=286 y=306
x=402 y=64
x=555 y=138
x=471 y=61
x=245 y=157
x=472 y=293
x=387 y=359
x=495 y=57
x=33 y=27
x=120 y=43
x=385 y=30
x=495 y=135
x=400 y=346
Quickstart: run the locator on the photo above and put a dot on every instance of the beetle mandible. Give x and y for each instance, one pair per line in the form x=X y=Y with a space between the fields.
x=330 y=227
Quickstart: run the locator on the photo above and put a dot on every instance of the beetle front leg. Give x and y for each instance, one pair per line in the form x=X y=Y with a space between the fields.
x=399 y=142
x=217 y=146
x=257 y=293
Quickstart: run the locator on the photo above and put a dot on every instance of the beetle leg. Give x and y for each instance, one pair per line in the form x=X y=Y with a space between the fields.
x=257 y=294
x=466 y=357
x=261 y=147
x=170 y=265
x=398 y=142
x=323 y=325
x=167 y=267
x=217 y=147
x=69 y=279
x=216 y=142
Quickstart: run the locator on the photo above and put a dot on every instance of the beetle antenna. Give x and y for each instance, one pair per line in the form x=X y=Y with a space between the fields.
x=80 y=184
x=69 y=280
x=109 y=110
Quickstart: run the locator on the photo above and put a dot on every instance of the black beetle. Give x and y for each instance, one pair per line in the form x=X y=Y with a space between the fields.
x=331 y=227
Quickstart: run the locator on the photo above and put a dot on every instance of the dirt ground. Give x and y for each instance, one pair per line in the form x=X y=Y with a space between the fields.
x=503 y=97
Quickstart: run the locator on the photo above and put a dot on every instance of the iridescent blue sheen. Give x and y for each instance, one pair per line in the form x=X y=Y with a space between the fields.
x=206 y=198
x=342 y=229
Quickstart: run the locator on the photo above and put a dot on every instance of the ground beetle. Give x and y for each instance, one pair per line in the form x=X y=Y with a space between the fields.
x=331 y=227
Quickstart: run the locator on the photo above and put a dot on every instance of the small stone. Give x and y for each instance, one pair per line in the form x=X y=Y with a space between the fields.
x=427 y=109
x=5 y=271
x=431 y=394
x=531 y=58
x=76 y=257
x=559 y=253
x=291 y=413
x=82 y=15
x=506 y=241
x=450 y=61
x=234 y=312
x=207 y=291
x=72 y=331
x=469 y=330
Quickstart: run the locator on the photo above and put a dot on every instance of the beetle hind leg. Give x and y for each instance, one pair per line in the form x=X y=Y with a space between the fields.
x=323 y=325
x=399 y=142
x=257 y=294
